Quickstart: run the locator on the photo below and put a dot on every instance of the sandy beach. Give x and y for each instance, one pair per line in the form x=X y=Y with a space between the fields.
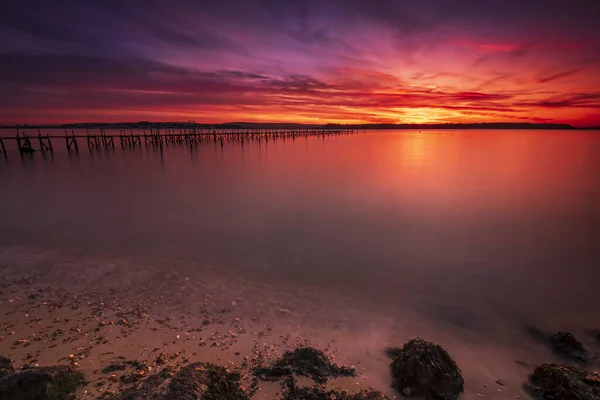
x=69 y=309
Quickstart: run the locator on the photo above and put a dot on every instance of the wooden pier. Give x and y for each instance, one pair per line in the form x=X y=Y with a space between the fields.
x=98 y=138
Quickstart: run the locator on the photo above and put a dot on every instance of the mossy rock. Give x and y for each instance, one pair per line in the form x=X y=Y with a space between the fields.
x=6 y=367
x=425 y=369
x=305 y=361
x=567 y=345
x=562 y=382
x=197 y=381
x=43 y=383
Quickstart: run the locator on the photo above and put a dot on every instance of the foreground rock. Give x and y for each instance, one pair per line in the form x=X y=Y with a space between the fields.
x=43 y=383
x=567 y=345
x=305 y=361
x=561 y=382
x=197 y=381
x=424 y=369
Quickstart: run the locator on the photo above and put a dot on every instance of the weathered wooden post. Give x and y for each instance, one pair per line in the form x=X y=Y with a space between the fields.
x=45 y=143
x=75 y=141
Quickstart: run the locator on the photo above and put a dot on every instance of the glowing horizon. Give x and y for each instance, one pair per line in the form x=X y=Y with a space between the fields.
x=307 y=62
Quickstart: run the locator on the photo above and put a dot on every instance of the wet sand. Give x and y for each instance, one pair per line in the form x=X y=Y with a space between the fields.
x=60 y=308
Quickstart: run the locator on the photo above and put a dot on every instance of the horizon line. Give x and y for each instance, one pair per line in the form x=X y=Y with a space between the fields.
x=433 y=125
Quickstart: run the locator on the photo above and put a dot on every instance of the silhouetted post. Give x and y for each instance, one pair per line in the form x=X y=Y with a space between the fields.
x=90 y=140
x=2 y=148
x=45 y=143
x=24 y=144
x=75 y=141
x=67 y=143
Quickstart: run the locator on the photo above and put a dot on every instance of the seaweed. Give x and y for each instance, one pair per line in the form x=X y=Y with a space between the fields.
x=293 y=392
x=304 y=361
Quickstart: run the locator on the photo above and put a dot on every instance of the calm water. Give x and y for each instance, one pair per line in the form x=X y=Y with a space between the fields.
x=463 y=228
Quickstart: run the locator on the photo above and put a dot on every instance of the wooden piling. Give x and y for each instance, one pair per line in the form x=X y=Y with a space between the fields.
x=45 y=142
x=71 y=141
x=24 y=144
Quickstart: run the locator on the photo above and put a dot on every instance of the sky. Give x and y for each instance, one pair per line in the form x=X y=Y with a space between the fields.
x=308 y=61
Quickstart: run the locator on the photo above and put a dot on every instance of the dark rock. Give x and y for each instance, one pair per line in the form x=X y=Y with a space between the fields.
x=567 y=345
x=561 y=382
x=305 y=361
x=425 y=369
x=43 y=383
x=6 y=367
x=194 y=382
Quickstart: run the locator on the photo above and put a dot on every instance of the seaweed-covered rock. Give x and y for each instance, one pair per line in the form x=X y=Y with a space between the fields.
x=565 y=344
x=304 y=361
x=6 y=367
x=562 y=382
x=197 y=381
x=425 y=369
x=43 y=383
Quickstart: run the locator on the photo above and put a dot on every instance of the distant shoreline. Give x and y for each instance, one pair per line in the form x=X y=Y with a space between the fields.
x=257 y=125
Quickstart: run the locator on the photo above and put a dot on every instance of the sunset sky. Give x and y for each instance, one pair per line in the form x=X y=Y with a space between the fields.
x=343 y=61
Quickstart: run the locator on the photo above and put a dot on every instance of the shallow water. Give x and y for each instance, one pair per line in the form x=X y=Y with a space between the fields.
x=478 y=234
